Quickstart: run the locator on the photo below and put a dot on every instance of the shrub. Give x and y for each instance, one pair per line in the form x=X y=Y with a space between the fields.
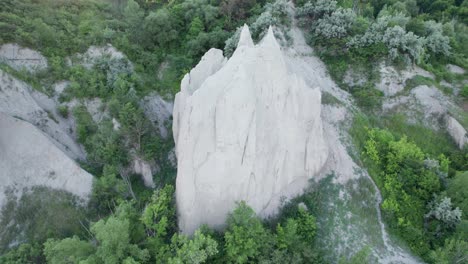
x=417 y=81
x=464 y=91
x=337 y=24
x=436 y=42
x=63 y=110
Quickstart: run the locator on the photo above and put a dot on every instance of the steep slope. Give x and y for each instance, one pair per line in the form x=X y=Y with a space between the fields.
x=18 y=99
x=245 y=129
x=349 y=215
x=28 y=158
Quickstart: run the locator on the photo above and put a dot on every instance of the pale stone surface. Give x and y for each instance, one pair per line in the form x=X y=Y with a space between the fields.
x=60 y=87
x=19 y=100
x=94 y=53
x=393 y=81
x=457 y=132
x=158 y=111
x=144 y=169
x=19 y=58
x=245 y=129
x=455 y=69
x=28 y=158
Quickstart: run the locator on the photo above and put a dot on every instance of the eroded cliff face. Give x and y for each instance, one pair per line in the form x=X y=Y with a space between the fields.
x=29 y=158
x=245 y=129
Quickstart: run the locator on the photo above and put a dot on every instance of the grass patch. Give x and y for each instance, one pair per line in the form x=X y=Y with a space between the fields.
x=39 y=214
x=418 y=80
x=329 y=99
x=430 y=141
x=26 y=77
x=346 y=217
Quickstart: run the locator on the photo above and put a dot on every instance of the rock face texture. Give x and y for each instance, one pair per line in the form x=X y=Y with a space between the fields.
x=18 y=99
x=457 y=131
x=393 y=81
x=144 y=169
x=245 y=129
x=158 y=111
x=29 y=158
x=19 y=58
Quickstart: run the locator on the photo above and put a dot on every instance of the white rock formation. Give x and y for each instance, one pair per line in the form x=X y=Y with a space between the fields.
x=19 y=100
x=457 y=132
x=29 y=158
x=245 y=129
x=19 y=58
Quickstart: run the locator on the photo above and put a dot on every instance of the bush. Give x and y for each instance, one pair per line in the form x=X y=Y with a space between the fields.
x=417 y=81
x=337 y=24
x=464 y=91
x=368 y=96
x=63 y=110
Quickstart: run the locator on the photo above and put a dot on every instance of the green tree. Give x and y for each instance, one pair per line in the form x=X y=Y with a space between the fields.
x=196 y=27
x=107 y=189
x=68 y=250
x=454 y=251
x=134 y=124
x=159 y=220
x=24 y=253
x=245 y=237
x=196 y=250
x=113 y=241
x=159 y=26
x=458 y=191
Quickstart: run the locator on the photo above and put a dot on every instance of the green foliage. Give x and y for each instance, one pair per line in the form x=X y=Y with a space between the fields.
x=362 y=256
x=159 y=215
x=195 y=250
x=245 y=236
x=443 y=215
x=24 y=253
x=367 y=96
x=107 y=189
x=417 y=81
x=85 y=124
x=63 y=110
x=408 y=179
x=114 y=245
x=39 y=214
x=159 y=27
x=458 y=192
x=453 y=251
x=464 y=91
x=68 y=250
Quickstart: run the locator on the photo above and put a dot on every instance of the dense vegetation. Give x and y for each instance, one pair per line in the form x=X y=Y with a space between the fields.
x=421 y=184
x=416 y=169
x=423 y=181
x=366 y=33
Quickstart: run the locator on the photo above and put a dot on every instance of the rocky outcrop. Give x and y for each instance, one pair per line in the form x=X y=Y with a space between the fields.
x=455 y=69
x=94 y=53
x=144 y=169
x=19 y=100
x=28 y=158
x=158 y=111
x=20 y=58
x=245 y=129
x=457 y=132
x=393 y=81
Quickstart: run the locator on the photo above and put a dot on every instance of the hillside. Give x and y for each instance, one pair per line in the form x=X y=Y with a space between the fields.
x=231 y=131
